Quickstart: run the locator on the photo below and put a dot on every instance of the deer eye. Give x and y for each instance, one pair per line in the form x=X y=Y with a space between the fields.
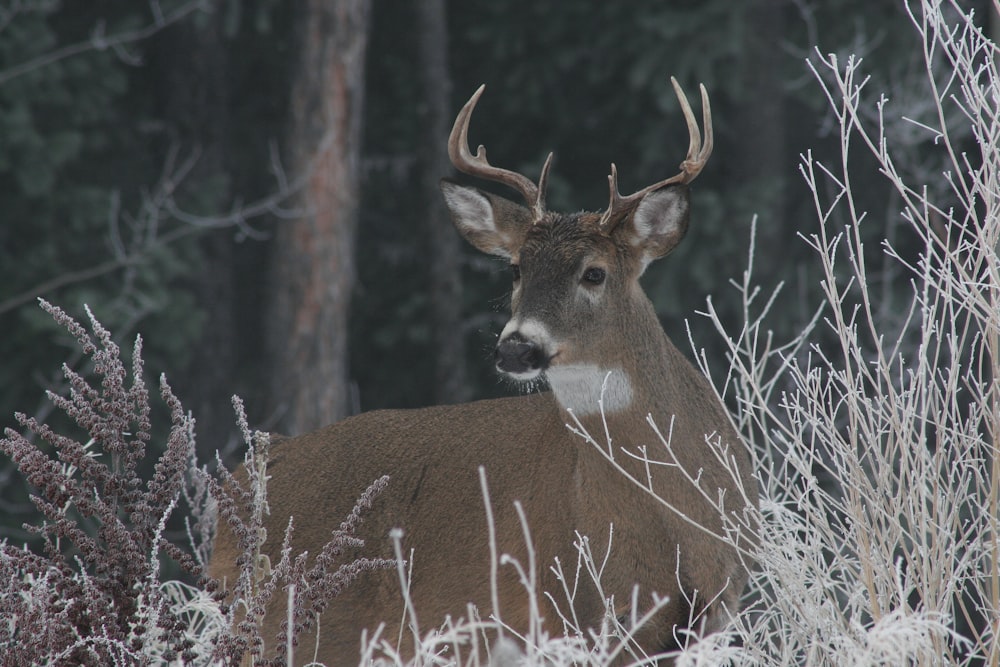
x=594 y=275
x=515 y=272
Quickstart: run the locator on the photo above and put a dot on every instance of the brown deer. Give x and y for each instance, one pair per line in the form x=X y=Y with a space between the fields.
x=580 y=322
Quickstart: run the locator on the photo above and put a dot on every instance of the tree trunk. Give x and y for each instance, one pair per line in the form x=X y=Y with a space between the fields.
x=444 y=249
x=197 y=98
x=313 y=258
x=759 y=155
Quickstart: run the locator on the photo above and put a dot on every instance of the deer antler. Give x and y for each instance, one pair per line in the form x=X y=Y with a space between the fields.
x=477 y=165
x=692 y=165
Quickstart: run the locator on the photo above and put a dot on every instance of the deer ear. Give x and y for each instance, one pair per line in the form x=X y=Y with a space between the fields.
x=659 y=222
x=490 y=223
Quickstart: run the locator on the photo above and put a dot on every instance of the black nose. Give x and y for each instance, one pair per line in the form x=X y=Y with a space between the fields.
x=516 y=354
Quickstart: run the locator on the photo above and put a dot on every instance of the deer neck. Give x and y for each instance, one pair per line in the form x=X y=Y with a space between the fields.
x=633 y=379
x=586 y=389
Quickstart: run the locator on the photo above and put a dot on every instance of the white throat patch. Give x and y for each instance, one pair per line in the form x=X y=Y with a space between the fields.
x=582 y=388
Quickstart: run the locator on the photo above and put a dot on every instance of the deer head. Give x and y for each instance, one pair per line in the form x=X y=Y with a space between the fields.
x=575 y=277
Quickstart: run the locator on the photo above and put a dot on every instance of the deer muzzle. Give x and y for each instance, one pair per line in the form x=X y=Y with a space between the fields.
x=520 y=357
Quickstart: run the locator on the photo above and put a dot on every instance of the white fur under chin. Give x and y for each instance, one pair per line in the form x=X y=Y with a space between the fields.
x=582 y=387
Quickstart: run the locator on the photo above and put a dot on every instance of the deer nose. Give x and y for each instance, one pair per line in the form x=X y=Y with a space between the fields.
x=517 y=355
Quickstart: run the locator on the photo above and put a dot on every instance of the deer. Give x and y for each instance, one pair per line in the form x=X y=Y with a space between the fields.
x=581 y=324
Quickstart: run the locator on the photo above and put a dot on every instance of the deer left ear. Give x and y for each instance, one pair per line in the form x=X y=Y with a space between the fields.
x=659 y=222
x=487 y=221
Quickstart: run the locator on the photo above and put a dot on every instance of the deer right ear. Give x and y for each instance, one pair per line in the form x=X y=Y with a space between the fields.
x=490 y=223
x=659 y=222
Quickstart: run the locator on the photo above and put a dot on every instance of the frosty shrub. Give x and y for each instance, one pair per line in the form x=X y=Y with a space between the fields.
x=876 y=428
x=94 y=593
x=94 y=596
x=310 y=583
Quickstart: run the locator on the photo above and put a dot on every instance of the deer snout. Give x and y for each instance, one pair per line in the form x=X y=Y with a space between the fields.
x=520 y=357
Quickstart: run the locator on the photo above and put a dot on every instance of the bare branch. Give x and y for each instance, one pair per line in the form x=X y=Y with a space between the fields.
x=160 y=205
x=99 y=41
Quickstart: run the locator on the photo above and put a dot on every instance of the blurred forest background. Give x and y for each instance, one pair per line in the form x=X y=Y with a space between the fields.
x=251 y=185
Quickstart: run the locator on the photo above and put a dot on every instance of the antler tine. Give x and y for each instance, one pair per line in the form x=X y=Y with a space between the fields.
x=614 y=197
x=697 y=155
x=698 y=152
x=477 y=165
x=543 y=183
x=694 y=145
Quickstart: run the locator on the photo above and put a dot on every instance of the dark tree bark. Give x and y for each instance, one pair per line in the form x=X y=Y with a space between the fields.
x=313 y=258
x=444 y=249
x=760 y=158
x=196 y=97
